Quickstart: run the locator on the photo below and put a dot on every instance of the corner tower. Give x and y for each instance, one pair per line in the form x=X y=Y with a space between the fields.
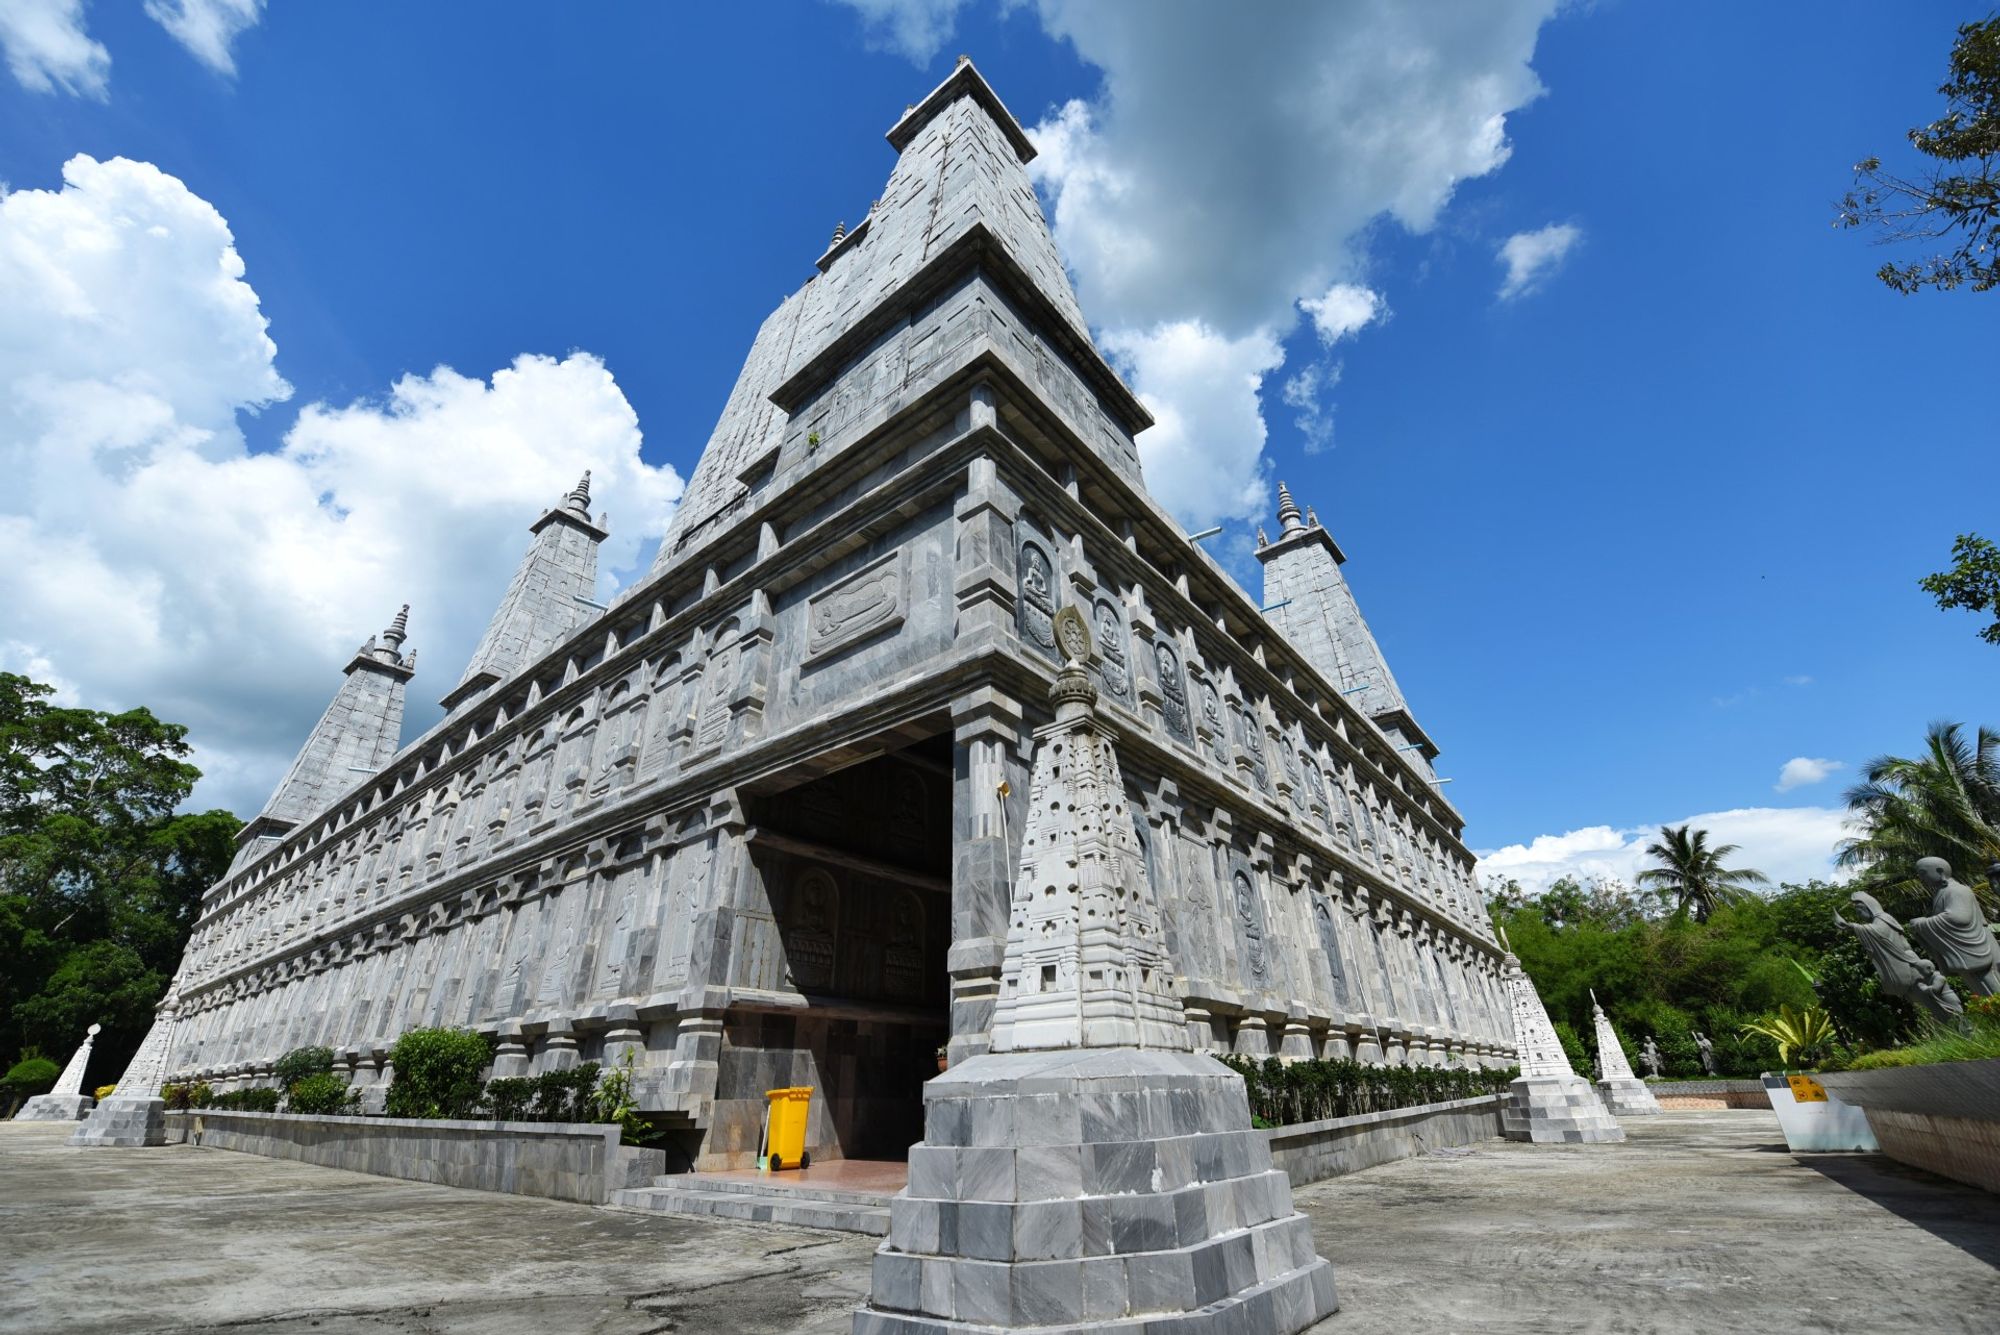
x=1310 y=603
x=357 y=735
x=547 y=600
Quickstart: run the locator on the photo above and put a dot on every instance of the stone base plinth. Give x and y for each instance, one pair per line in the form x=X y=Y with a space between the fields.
x=1627 y=1097
x=1106 y=1189
x=124 y=1122
x=55 y=1108
x=1555 y=1110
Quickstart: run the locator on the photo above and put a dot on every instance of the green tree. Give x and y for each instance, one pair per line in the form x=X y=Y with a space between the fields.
x=100 y=879
x=1973 y=582
x=1691 y=874
x=1956 y=198
x=1944 y=803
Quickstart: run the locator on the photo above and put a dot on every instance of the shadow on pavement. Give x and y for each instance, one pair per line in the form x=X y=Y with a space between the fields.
x=1964 y=1216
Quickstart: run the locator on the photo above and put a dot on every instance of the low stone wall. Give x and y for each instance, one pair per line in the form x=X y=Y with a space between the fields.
x=1943 y=1118
x=565 y=1161
x=1310 y=1151
x=1708 y=1095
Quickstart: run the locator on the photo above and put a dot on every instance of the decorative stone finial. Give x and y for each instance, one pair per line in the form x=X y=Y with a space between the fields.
x=1263 y=538
x=839 y=232
x=1073 y=692
x=963 y=60
x=399 y=630
x=1288 y=512
x=1312 y=520
x=579 y=498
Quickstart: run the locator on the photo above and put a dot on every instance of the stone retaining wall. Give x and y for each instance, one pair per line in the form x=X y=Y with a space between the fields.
x=565 y=1161
x=1310 y=1151
x=1943 y=1118
x=1708 y=1095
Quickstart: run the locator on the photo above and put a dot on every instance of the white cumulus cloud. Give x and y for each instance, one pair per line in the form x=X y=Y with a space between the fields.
x=1800 y=771
x=48 y=48
x=1228 y=165
x=1533 y=257
x=148 y=557
x=1785 y=843
x=207 y=28
x=914 y=28
x=1345 y=309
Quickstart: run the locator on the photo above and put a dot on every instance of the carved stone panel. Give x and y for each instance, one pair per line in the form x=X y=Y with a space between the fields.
x=1037 y=602
x=1173 y=692
x=1250 y=922
x=870 y=602
x=1114 y=668
x=810 y=931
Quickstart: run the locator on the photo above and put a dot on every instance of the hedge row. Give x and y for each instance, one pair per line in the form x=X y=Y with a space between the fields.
x=1282 y=1093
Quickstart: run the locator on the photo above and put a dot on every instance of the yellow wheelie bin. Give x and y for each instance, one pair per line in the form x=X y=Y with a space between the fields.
x=785 y=1128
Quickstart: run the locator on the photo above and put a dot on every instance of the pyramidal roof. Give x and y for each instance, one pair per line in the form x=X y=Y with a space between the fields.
x=960 y=184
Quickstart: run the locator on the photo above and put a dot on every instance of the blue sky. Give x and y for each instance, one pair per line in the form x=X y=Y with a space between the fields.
x=1634 y=533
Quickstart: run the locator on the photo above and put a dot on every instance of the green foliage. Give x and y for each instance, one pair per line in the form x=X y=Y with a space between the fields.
x=1573 y=1046
x=1282 y=1093
x=1944 y=803
x=1805 y=1033
x=616 y=1102
x=565 y=1096
x=437 y=1073
x=1666 y=975
x=321 y=1094
x=299 y=1063
x=28 y=1077
x=1979 y=1043
x=1691 y=873
x=1973 y=582
x=508 y=1096
x=1963 y=205
x=100 y=881
x=190 y=1094
x=247 y=1100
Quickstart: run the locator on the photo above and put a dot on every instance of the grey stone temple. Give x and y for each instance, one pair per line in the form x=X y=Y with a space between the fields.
x=759 y=822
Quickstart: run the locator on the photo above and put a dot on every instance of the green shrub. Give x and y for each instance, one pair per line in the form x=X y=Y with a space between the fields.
x=437 y=1073
x=1282 y=1093
x=508 y=1097
x=188 y=1094
x=299 y=1063
x=322 y=1094
x=565 y=1096
x=246 y=1100
x=29 y=1076
x=1980 y=1042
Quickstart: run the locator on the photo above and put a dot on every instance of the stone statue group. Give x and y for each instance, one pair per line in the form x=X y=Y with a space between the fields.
x=1650 y=1058
x=1955 y=933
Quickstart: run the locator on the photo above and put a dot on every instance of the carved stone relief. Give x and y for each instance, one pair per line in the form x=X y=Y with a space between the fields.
x=870 y=602
x=1256 y=968
x=811 y=931
x=1037 y=599
x=1113 y=669
x=1173 y=691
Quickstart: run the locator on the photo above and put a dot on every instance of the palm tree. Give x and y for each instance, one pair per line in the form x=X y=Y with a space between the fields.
x=1691 y=873
x=1944 y=803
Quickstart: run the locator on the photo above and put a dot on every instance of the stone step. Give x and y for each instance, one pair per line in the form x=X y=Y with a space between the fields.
x=747 y=1187
x=797 y=1208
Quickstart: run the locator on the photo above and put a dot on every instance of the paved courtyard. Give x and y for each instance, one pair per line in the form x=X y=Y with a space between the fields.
x=1699 y=1222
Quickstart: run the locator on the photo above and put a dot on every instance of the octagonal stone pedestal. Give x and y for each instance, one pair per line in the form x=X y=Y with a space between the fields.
x=56 y=1108
x=124 y=1121
x=1103 y=1189
x=1556 y=1110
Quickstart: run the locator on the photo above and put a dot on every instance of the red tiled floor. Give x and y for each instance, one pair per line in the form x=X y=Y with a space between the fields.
x=877 y=1175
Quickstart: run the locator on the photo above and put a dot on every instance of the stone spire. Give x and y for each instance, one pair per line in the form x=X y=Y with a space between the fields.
x=134 y=1115
x=356 y=736
x=1624 y=1093
x=1312 y=605
x=958 y=199
x=1549 y=1102
x=1111 y=1175
x=547 y=602
x=65 y=1101
x=1085 y=966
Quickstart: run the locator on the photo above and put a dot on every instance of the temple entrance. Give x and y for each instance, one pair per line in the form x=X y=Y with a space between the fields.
x=857 y=869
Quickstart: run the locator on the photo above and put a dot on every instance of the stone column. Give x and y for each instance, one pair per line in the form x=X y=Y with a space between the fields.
x=989 y=804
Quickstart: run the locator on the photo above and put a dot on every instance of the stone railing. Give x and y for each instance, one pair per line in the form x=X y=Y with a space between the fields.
x=1310 y=1151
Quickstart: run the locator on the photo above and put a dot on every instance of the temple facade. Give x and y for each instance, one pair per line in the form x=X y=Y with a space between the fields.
x=759 y=822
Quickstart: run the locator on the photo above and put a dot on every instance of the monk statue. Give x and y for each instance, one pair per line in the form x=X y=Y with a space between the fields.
x=1707 y=1046
x=1649 y=1057
x=1903 y=972
x=1955 y=932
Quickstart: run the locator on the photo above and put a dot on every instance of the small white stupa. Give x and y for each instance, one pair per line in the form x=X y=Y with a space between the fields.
x=1624 y=1093
x=1549 y=1103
